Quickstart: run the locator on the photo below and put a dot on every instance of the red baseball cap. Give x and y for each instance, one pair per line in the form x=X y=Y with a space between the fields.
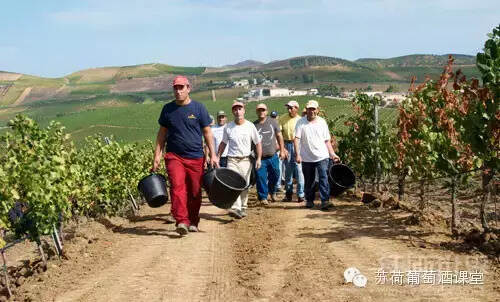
x=180 y=80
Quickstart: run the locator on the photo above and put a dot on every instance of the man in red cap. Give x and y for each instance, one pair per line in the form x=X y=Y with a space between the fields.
x=238 y=136
x=183 y=122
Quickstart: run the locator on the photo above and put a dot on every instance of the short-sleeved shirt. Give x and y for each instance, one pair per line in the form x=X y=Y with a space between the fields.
x=239 y=138
x=218 y=132
x=267 y=133
x=287 y=124
x=312 y=137
x=185 y=124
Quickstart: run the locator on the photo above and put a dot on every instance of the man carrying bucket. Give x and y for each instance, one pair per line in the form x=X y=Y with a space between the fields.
x=292 y=168
x=312 y=142
x=238 y=137
x=270 y=135
x=185 y=121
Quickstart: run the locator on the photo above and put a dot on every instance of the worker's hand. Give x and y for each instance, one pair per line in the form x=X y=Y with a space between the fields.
x=298 y=158
x=283 y=154
x=214 y=161
x=156 y=163
x=257 y=164
x=335 y=158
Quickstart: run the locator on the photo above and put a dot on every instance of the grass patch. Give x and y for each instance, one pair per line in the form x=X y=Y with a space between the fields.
x=179 y=69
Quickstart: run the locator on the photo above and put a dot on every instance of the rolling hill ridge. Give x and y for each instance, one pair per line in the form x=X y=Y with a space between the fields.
x=19 y=89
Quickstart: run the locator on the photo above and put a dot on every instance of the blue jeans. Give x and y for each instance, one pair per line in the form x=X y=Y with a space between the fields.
x=310 y=170
x=267 y=175
x=280 y=171
x=293 y=169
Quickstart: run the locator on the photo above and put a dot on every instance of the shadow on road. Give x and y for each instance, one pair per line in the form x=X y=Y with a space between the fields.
x=137 y=230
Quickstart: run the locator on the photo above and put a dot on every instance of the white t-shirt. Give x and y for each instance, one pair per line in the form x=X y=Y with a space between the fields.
x=239 y=138
x=312 y=137
x=218 y=132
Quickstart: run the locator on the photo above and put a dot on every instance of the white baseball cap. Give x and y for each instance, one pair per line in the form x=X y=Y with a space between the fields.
x=312 y=104
x=292 y=104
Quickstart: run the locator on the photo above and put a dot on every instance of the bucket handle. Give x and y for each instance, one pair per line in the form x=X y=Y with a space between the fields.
x=152 y=173
x=211 y=168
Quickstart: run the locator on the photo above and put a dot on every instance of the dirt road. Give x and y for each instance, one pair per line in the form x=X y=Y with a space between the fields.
x=280 y=253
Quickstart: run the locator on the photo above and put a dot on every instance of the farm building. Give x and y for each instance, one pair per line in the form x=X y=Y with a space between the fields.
x=241 y=83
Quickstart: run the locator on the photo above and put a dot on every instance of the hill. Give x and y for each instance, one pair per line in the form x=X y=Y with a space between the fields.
x=18 y=89
x=417 y=61
x=308 y=61
x=244 y=64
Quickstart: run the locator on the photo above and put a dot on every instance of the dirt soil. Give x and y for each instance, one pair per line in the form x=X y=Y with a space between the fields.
x=283 y=252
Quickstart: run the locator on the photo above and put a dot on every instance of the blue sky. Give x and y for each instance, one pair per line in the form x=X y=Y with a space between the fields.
x=55 y=38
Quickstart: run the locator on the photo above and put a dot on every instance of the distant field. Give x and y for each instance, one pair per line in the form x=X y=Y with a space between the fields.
x=129 y=120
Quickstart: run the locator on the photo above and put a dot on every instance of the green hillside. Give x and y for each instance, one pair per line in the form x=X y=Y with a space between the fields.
x=417 y=61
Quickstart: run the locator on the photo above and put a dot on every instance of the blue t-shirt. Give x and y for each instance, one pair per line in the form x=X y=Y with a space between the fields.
x=184 y=124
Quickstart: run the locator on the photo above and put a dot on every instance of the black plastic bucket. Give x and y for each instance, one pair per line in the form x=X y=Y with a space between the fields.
x=341 y=178
x=225 y=187
x=154 y=189
x=208 y=179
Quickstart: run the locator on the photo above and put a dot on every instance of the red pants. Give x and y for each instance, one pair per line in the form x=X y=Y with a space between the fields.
x=185 y=176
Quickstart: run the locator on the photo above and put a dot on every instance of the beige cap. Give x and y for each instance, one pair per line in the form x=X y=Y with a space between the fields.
x=312 y=104
x=237 y=104
x=292 y=104
x=261 y=106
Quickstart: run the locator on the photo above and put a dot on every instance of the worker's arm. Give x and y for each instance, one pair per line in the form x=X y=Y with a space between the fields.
x=209 y=140
x=160 y=143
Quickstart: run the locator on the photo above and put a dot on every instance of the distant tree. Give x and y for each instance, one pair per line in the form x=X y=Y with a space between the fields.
x=329 y=90
x=391 y=88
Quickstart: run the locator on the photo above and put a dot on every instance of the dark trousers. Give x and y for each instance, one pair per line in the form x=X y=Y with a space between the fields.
x=223 y=162
x=310 y=170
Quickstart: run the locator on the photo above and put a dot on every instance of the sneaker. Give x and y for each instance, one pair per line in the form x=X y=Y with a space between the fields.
x=279 y=190
x=169 y=219
x=235 y=213
x=181 y=229
x=327 y=207
x=264 y=202
x=243 y=213
x=309 y=205
x=193 y=229
x=288 y=198
x=274 y=198
x=300 y=199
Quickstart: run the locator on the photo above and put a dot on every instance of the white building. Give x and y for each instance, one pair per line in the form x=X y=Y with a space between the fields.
x=276 y=92
x=241 y=83
x=313 y=91
x=298 y=92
